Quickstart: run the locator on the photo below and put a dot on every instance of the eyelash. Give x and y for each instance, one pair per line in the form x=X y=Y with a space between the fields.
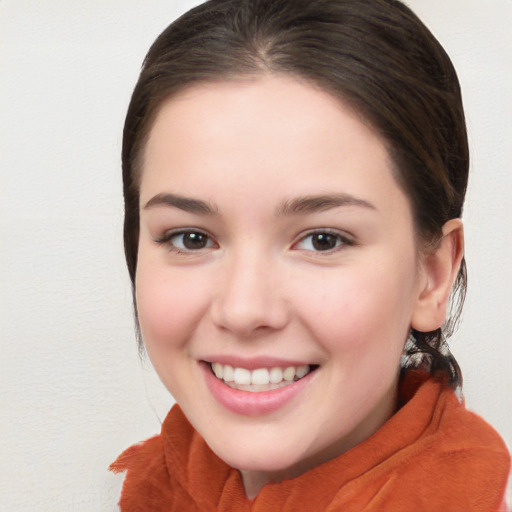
x=166 y=238
x=342 y=240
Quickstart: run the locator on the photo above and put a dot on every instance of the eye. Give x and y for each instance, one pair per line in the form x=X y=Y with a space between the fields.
x=188 y=240
x=322 y=241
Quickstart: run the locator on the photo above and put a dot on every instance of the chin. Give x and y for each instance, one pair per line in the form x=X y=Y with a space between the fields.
x=260 y=457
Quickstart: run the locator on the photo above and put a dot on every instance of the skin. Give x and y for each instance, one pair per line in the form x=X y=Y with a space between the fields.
x=259 y=288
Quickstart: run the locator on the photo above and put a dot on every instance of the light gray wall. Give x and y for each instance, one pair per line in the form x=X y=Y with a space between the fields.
x=73 y=393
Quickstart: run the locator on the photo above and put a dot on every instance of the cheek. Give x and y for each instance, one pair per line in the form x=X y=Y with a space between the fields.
x=358 y=309
x=169 y=306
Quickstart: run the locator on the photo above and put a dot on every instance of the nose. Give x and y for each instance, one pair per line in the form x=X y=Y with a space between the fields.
x=251 y=296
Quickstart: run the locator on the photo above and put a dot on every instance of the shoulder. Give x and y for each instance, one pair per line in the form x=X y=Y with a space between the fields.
x=459 y=455
x=140 y=456
x=443 y=456
x=146 y=475
x=151 y=483
x=463 y=436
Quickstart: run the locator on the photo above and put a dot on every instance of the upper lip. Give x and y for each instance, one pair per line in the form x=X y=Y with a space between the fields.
x=255 y=362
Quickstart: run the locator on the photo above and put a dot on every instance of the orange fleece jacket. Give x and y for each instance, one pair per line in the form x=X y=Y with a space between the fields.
x=432 y=455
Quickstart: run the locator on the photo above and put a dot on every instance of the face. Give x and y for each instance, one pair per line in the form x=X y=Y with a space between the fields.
x=277 y=271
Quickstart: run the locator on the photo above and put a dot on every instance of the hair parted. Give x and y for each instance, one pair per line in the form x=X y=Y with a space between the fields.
x=374 y=55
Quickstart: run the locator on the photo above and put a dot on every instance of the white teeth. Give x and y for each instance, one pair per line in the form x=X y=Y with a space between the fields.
x=302 y=371
x=260 y=376
x=218 y=370
x=276 y=375
x=289 y=373
x=242 y=376
x=229 y=373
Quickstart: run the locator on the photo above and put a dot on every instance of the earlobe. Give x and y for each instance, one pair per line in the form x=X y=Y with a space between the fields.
x=439 y=269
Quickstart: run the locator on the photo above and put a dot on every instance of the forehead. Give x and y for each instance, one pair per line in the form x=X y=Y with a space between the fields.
x=264 y=135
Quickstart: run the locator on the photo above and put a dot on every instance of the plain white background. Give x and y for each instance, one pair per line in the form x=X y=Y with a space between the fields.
x=73 y=392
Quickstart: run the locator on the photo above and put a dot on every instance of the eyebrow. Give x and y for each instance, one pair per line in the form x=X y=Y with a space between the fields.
x=298 y=205
x=320 y=203
x=186 y=204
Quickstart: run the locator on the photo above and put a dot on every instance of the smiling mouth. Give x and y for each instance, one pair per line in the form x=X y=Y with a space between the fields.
x=260 y=379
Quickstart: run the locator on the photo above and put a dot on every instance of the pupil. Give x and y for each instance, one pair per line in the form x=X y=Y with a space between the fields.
x=194 y=240
x=324 y=242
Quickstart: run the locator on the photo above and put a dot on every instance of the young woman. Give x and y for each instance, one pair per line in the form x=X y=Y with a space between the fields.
x=294 y=176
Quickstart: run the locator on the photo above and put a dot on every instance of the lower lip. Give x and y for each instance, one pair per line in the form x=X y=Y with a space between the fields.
x=250 y=403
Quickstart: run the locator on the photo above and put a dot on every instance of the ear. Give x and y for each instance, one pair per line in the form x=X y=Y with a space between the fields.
x=438 y=271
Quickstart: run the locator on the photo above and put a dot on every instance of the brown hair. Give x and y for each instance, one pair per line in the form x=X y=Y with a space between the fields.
x=374 y=55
